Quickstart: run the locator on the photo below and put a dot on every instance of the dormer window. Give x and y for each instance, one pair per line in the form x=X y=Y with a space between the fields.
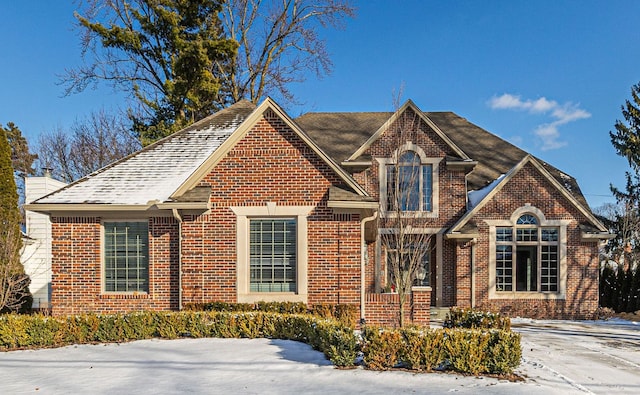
x=410 y=182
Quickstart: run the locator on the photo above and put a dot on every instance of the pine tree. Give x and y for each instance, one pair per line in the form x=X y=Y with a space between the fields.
x=166 y=54
x=14 y=292
x=626 y=245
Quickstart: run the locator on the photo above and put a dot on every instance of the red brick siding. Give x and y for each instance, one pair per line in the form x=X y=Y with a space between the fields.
x=77 y=271
x=384 y=308
x=271 y=164
x=529 y=186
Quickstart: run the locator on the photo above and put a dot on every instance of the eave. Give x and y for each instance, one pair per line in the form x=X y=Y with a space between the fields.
x=352 y=204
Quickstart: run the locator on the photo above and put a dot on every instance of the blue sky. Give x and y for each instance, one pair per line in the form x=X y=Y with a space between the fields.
x=548 y=76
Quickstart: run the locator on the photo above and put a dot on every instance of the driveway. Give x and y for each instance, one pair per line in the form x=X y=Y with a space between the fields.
x=601 y=357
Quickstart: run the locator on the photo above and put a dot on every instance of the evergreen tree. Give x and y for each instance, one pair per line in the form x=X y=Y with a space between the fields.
x=14 y=292
x=21 y=158
x=625 y=247
x=167 y=54
x=607 y=280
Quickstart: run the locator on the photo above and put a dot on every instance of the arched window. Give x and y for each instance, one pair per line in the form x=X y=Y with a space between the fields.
x=527 y=256
x=409 y=184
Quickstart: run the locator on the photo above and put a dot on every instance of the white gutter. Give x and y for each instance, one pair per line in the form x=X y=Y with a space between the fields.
x=363 y=250
x=177 y=216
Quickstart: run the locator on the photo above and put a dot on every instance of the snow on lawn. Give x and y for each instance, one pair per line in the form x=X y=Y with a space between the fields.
x=555 y=361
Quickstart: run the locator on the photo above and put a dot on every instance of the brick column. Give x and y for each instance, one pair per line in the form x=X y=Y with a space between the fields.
x=421 y=305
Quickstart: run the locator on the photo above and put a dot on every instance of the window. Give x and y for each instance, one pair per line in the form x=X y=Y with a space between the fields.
x=126 y=257
x=272 y=255
x=526 y=257
x=419 y=252
x=409 y=184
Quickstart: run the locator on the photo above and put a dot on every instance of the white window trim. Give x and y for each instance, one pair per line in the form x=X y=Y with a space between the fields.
x=424 y=160
x=562 y=255
x=271 y=210
x=103 y=291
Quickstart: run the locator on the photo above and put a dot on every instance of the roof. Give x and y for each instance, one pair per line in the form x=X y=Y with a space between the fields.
x=155 y=172
x=341 y=134
x=166 y=174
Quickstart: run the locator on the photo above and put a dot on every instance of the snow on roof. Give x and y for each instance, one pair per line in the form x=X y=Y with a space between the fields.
x=476 y=197
x=158 y=170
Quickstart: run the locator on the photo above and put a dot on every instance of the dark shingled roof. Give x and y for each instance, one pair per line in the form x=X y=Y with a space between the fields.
x=340 y=134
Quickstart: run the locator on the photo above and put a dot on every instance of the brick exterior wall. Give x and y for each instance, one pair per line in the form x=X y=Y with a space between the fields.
x=384 y=308
x=451 y=200
x=272 y=164
x=529 y=186
x=77 y=268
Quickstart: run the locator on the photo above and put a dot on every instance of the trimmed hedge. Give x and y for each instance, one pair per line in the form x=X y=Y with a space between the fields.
x=475 y=319
x=421 y=349
x=346 y=314
x=336 y=341
x=461 y=350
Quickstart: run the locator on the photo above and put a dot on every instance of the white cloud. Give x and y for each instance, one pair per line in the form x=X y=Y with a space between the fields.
x=547 y=132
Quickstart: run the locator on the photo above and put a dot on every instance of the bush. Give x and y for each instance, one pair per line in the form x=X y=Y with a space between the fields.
x=462 y=350
x=335 y=340
x=422 y=349
x=474 y=319
x=347 y=314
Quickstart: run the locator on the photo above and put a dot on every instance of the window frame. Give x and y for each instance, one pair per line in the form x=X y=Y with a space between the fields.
x=103 y=258
x=495 y=229
x=433 y=163
x=244 y=214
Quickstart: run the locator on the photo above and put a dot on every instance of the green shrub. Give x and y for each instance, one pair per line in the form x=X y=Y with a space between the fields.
x=475 y=319
x=461 y=350
x=423 y=349
x=381 y=348
x=335 y=340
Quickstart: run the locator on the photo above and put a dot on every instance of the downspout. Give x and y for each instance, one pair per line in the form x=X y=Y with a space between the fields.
x=178 y=217
x=363 y=250
x=473 y=273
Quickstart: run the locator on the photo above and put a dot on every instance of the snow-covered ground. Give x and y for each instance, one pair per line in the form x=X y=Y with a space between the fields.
x=559 y=357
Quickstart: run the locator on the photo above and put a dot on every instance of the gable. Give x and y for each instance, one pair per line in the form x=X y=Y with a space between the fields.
x=405 y=124
x=270 y=163
x=165 y=173
x=268 y=109
x=342 y=134
x=528 y=183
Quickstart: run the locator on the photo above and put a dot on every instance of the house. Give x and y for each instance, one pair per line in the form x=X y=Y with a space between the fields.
x=249 y=204
x=36 y=252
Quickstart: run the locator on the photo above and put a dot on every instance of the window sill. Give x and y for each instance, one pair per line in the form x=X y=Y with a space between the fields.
x=255 y=297
x=124 y=295
x=527 y=295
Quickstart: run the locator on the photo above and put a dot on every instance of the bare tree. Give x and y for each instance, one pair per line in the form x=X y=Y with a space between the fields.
x=404 y=237
x=623 y=219
x=14 y=283
x=91 y=144
x=279 y=44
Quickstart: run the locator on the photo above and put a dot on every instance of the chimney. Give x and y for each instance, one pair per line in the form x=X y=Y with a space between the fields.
x=46 y=172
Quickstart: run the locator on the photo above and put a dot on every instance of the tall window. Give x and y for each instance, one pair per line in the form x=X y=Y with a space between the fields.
x=527 y=257
x=126 y=257
x=409 y=184
x=272 y=257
